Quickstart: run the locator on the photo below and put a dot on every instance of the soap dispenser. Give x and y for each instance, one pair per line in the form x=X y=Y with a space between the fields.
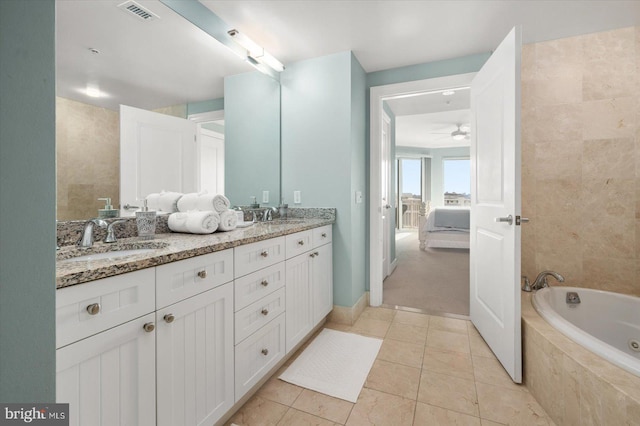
x=108 y=210
x=146 y=222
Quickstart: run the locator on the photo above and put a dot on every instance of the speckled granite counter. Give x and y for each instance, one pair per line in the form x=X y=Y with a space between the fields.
x=171 y=247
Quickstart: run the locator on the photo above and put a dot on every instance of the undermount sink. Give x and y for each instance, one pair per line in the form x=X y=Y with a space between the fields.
x=283 y=222
x=108 y=251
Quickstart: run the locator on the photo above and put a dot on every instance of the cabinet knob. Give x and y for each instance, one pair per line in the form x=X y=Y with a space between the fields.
x=265 y=312
x=265 y=352
x=93 y=308
x=149 y=327
x=324 y=235
x=169 y=318
x=312 y=255
x=202 y=274
x=301 y=243
x=264 y=253
x=264 y=283
x=316 y=253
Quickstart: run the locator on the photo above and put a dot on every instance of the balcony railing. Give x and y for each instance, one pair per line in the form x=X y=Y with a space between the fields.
x=410 y=214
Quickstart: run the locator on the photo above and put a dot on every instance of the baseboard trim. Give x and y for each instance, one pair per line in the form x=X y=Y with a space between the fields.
x=393 y=265
x=349 y=315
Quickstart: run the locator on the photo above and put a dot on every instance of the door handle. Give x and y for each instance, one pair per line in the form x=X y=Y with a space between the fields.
x=387 y=206
x=508 y=219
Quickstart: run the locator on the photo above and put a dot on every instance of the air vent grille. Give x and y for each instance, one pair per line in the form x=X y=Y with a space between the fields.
x=133 y=8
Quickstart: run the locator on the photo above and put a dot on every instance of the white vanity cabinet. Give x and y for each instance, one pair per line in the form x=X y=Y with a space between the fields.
x=105 y=361
x=194 y=339
x=309 y=278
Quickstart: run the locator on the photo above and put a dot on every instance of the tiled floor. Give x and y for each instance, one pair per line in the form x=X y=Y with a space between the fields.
x=429 y=371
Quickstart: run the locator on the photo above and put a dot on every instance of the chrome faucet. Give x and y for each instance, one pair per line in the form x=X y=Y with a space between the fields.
x=86 y=240
x=541 y=279
x=267 y=214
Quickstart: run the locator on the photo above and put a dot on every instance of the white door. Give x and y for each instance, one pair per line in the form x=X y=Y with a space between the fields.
x=195 y=359
x=109 y=378
x=157 y=152
x=385 y=173
x=495 y=179
x=211 y=162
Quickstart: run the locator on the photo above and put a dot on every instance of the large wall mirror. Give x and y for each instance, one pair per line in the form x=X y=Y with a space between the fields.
x=111 y=52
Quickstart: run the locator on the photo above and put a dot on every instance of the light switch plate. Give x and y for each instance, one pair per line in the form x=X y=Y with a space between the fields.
x=358 y=197
x=265 y=196
x=297 y=198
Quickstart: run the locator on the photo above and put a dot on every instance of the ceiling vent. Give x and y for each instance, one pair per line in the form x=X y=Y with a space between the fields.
x=133 y=8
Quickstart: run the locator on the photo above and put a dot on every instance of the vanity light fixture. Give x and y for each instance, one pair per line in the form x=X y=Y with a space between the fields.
x=255 y=53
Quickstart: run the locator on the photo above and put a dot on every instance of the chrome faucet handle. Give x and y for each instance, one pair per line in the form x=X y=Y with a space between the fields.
x=527 y=284
x=111 y=235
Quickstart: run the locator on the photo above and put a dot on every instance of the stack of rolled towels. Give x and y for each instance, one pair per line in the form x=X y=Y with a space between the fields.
x=195 y=213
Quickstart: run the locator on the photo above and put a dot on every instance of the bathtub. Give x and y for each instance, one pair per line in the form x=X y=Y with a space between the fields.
x=606 y=323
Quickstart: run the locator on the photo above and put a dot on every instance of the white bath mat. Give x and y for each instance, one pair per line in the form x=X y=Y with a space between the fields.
x=335 y=363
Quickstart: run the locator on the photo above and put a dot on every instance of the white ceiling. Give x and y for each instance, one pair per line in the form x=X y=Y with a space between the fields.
x=168 y=61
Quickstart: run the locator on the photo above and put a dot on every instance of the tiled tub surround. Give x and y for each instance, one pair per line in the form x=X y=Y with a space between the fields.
x=573 y=385
x=581 y=159
x=178 y=246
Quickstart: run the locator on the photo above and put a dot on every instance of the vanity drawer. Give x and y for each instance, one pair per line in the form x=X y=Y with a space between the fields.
x=251 y=257
x=256 y=315
x=256 y=285
x=298 y=243
x=256 y=355
x=179 y=280
x=86 y=309
x=322 y=235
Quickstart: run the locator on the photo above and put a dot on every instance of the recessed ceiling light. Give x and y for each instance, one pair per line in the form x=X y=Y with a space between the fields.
x=448 y=93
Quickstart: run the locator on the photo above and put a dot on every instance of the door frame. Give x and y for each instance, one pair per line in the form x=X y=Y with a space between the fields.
x=378 y=94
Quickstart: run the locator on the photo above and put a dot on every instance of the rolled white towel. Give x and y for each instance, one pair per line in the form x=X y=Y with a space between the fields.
x=194 y=222
x=153 y=201
x=188 y=202
x=219 y=203
x=228 y=220
x=169 y=201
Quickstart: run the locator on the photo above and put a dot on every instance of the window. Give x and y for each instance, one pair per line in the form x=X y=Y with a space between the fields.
x=457 y=182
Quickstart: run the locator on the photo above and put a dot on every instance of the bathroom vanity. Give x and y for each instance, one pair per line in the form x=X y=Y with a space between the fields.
x=184 y=333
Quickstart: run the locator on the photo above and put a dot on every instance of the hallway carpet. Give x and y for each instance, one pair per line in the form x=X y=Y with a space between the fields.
x=432 y=280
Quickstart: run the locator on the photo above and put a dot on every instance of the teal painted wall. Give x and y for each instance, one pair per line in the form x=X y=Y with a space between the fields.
x=27 y=201
x=251 y=138
x=323 y=149
x=205 y=106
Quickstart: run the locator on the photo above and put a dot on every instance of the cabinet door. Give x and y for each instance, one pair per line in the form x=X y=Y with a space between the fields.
x=322 y=282
x=195 y=358
x=109 y=379
x=299 y=311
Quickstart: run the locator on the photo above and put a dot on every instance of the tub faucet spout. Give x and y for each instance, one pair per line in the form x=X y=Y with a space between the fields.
x=541 y=279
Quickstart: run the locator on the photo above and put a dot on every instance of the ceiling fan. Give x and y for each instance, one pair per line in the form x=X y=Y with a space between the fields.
x=461 y=133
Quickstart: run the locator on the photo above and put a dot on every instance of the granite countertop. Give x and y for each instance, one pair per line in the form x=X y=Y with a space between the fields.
x=169 y=247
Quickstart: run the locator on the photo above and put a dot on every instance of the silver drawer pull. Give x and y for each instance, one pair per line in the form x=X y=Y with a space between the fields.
x=312 y=255
x=203 y=274
x=301 y=243
x=265 y=312
x=264 y=283
x=149 y=327
x=93 y=308
x=316 y=253
x=169 y=318
x=323 y=235
x=264 y=253
x=265 y=352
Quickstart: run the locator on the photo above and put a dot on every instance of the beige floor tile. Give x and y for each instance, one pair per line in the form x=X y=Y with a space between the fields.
x=486 y=422
x=407 y=333
x=448 y=324
x=401 y=352
x=431 y=415
x=383 y=314
x=490 y=371
x=371 y=327
x=325 y=406
x=337 y=326
x=457 y=364
x=259 y=412
x=412 y=318
x=448 y=392
x=396 y=379
x=472 y=330
x=381 y=409
x=508 y=406
x=300 y=418
x=279 y=391
x=479 y=347
x=448 y=340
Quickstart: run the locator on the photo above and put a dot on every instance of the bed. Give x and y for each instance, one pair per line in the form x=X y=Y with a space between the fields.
x=444 y=227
